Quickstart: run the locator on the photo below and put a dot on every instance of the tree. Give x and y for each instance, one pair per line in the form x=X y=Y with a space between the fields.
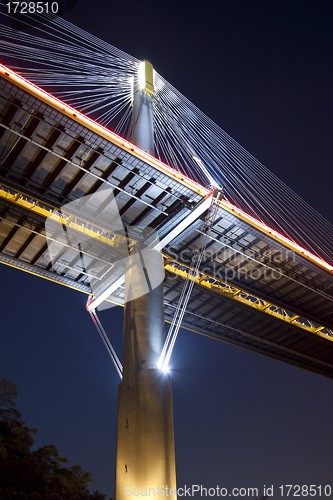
x=39 y=474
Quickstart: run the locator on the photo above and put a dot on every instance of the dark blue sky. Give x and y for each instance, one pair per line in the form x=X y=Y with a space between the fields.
x=263 y=71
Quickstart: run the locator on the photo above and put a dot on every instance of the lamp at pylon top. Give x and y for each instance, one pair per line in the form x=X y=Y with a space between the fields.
x=142 y=115
x=146 y=77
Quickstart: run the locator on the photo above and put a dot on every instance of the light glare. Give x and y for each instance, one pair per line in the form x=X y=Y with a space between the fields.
x=141 y=75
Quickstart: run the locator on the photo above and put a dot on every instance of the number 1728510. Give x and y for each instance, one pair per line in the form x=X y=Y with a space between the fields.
x=296 y=490
x=32 y=7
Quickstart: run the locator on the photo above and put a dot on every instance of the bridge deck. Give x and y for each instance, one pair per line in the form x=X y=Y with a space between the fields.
x=255 y=289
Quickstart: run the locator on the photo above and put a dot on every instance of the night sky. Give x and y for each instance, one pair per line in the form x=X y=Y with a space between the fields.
x=262 y=70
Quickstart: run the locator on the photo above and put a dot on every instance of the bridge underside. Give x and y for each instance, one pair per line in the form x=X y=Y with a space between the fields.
x=253 y=291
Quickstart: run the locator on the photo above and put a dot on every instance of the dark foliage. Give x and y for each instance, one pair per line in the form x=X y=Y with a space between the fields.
x=12 y=494
x=39 y=474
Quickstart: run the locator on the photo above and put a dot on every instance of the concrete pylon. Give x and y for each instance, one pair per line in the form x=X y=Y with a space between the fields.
x=145 y=463
x=142 y=115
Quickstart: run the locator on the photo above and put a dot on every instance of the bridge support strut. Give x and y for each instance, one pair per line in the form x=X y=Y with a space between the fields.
x=145 y=438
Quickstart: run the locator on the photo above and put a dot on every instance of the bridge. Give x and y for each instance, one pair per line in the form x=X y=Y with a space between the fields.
x=255 y=287
x=33 y=185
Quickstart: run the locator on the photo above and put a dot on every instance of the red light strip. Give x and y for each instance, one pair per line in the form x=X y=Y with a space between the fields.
x=99 y=129
x=41 y=94
x=274 y=234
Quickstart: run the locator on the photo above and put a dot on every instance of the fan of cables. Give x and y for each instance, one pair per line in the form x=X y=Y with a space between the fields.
x=96 y=78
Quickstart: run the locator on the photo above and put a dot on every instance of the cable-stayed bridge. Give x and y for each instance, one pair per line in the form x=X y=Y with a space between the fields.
x=249 y=271
x=97 y=78
x=255 y=287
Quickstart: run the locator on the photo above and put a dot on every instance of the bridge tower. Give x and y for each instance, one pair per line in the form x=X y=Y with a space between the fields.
x=145 y=439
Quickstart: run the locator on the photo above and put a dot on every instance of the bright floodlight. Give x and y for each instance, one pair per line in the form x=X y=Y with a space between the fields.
x=141 y=75
x=145 y=79
x=162 y=364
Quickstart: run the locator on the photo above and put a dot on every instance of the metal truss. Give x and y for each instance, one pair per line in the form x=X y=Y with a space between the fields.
x=205 y=280
x=236 y=294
